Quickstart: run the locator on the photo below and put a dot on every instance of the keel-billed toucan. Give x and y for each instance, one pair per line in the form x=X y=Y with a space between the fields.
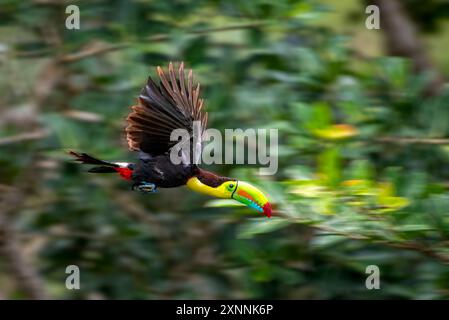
x=172 y=103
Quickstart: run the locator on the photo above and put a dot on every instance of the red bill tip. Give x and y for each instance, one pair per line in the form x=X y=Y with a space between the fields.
x=267 y=209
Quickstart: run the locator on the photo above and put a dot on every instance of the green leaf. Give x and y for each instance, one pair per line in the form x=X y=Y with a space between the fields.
x=260 y=226
x=222 y=203
x=68 y=133
x=329 y=166
x=321 y=117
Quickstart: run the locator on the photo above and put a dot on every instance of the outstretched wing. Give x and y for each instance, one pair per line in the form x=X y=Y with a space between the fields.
x=162 y=107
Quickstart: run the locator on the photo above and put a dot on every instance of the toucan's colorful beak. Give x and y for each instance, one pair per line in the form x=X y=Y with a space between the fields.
x=252 y=197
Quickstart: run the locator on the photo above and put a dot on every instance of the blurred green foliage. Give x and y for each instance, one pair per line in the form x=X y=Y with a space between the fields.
x=352 y=189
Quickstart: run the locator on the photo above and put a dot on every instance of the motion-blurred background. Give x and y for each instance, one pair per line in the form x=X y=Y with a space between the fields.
x=363 y=119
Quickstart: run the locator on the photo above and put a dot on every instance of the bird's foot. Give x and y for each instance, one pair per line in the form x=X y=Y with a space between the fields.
x=145 y=187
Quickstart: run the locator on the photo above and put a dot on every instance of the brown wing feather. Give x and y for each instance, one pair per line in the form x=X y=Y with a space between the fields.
x=171 y=104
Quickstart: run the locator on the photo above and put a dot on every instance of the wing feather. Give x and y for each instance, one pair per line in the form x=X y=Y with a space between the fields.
x=172 y=103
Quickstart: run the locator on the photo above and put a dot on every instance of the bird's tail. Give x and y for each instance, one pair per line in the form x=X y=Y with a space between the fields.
x=104 y=166
x=124 y=169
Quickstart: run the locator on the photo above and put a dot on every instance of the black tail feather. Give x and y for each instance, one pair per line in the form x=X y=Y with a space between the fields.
x=87 y=159
x=102 y=169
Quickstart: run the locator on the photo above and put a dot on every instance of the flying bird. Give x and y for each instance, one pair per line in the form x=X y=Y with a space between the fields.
x=173 y=102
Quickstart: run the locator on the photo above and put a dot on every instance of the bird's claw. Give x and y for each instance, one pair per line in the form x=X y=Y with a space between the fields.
x=145 y=187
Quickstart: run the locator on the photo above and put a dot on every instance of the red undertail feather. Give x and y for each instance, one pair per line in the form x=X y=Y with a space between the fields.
x=125 y=173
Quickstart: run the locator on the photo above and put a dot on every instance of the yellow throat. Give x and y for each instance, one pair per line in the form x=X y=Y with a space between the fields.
x=196 y=185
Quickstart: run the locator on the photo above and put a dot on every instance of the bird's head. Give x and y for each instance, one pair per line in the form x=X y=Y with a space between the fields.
x=240 y=191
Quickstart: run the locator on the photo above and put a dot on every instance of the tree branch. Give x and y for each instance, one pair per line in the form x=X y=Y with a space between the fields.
x=22 y=137
x=401 y=39
x=27 y=278
x=412 y=246
x=405 y=140
x=103 y=48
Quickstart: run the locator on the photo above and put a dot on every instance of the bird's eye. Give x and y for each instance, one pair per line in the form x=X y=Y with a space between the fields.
x=231 y=186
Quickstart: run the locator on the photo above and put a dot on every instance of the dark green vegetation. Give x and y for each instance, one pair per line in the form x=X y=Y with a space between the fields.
x=363 y=157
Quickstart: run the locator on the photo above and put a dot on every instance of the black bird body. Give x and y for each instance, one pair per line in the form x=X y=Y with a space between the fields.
x=160 y=171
